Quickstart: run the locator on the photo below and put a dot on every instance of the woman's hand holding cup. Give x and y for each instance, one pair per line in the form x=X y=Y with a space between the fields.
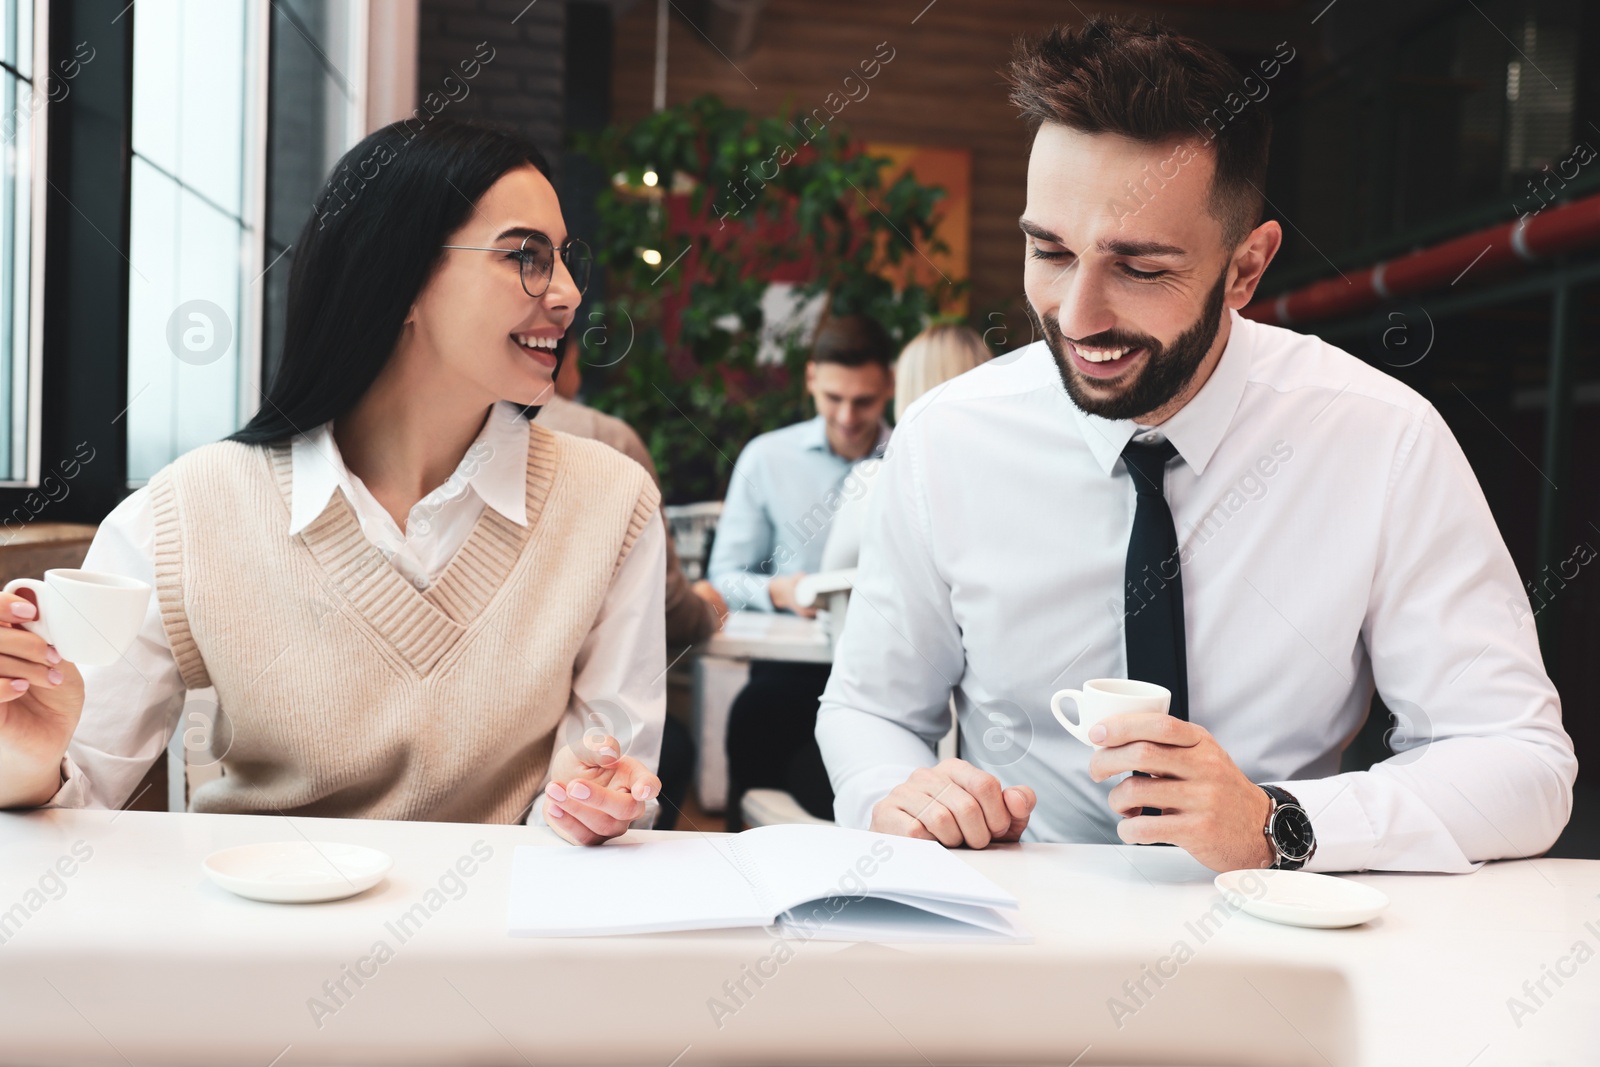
x=41 y=700
x=47 y=628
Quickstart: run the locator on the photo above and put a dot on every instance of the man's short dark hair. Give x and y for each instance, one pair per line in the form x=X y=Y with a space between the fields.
x=1144 y=82
x=854 y=341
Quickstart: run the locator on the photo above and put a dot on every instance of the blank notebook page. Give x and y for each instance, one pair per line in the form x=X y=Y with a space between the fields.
x=694 y=883
x=700 y=882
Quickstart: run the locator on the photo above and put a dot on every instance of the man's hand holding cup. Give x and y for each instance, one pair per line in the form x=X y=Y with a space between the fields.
x=1185 y=790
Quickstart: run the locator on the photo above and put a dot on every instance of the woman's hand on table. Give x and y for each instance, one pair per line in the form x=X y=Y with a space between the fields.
x=41 y=700
x=595 y=792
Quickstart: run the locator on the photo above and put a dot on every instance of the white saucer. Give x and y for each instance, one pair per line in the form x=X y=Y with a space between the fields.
x=1299 y=898
x=297 y=872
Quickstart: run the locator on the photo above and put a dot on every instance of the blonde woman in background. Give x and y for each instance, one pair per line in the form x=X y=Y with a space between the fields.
x=928 y=360
x=932 y=358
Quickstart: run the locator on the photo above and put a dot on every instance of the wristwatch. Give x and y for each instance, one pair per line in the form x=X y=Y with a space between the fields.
x=1288 y=831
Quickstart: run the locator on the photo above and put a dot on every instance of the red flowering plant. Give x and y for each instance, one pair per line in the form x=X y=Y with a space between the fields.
x=709 y=209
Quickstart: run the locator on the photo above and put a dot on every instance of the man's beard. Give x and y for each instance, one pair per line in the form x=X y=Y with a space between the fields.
x=1167 y=371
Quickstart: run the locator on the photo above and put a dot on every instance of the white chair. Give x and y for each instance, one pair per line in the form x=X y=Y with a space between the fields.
x=190 y=759
x=692 y=527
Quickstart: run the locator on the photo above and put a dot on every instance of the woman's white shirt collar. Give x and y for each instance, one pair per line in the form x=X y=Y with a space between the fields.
x=495 y=467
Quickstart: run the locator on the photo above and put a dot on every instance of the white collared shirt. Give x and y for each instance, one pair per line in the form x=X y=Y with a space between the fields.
x=133 y=706
x=1332 y=538
x=440 y=522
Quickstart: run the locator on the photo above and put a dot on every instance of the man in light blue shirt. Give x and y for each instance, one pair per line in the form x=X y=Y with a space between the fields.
x=787 y=485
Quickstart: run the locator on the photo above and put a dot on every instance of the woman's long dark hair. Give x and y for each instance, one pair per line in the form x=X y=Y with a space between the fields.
x=371 y=242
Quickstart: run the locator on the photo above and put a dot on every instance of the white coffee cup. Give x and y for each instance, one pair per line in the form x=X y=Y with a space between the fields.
x=90 y=617
x=1100 y=697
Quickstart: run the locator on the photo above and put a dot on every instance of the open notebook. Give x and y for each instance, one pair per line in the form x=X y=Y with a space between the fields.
x=820 y=881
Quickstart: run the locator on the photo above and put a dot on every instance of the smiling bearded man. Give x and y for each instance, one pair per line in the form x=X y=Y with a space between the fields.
x=1072 y=511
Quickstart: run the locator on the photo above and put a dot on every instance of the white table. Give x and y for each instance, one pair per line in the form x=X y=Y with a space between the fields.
x=771 y=635
x=721 y=670
x=141 y=960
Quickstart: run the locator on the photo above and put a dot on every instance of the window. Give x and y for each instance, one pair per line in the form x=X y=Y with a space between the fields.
x=21 y=140
x=239 y=111
x=317 y=112
x=1540 y=87
x=195 y=242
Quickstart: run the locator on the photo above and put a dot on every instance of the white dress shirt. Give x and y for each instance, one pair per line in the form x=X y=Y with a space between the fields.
x=842 y=549
x=1332 y=538
x=132 y=707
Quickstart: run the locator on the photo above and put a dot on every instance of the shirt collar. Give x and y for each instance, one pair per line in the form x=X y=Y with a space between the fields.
x=501 y=477
x=495 y=467
x=816 y=438
x=1197 y=429
x=317 y=470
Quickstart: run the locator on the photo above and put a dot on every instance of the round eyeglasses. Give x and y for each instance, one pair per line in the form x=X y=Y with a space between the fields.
x=537 y=259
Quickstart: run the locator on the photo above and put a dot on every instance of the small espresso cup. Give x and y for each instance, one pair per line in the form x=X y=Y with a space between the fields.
x=1100 y=697
x=90 y=617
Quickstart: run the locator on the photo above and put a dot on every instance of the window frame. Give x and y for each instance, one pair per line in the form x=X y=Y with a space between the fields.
x=252 y=303
x=79 y=453
x=79 y=292
x=246 y=351
x=38 y=137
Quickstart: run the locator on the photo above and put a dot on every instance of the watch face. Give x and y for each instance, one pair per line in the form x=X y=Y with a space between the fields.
x=1291 y=829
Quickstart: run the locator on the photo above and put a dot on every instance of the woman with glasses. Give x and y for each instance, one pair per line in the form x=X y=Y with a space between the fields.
x=412 y=601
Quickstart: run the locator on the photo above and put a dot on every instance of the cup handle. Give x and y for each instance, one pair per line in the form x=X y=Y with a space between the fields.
x=34 y=625
x=1074 y=728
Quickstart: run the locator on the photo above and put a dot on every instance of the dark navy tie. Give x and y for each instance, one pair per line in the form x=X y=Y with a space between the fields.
x=1153 y=586
x=1154 y=591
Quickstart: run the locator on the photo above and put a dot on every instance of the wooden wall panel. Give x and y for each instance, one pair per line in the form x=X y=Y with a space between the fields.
x=941 y=88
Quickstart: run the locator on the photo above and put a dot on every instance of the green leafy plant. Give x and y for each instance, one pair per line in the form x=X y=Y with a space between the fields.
x=673 y=347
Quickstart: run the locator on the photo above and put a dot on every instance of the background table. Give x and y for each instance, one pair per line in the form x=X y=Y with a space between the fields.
x=137 y=958
x=771 y=635
x=721 y=670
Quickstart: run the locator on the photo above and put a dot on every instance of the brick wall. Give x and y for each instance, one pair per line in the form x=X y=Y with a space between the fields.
x=521 y=84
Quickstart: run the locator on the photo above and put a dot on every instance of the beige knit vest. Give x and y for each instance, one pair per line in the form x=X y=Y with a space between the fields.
x=345 y=691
